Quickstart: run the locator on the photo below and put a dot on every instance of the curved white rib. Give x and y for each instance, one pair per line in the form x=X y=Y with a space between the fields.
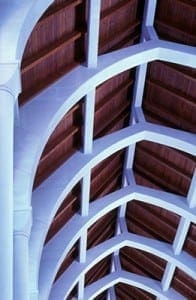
x=70 y=277
x=68 y=90
x=27 y=156
x=18 y=20
x=147 y=284
x=56 y=187
x=54 y=255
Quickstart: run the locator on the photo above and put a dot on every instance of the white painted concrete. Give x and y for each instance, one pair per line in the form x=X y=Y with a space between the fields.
x=32 y=131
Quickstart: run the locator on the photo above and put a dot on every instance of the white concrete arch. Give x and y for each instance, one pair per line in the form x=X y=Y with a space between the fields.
x=63 y=286
x=57 y=186
x=147 y=284
x=35 y=12
x=18 y=21
x=53 y=256
x=12 y=43
x=36 y=130
x=67 y=91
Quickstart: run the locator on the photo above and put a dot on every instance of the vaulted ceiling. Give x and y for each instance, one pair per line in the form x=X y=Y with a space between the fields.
x=58 y=45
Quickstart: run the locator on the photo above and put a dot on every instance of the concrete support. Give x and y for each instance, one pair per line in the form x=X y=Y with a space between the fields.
x=9 y=90
x=6 y=193
x=22 y=227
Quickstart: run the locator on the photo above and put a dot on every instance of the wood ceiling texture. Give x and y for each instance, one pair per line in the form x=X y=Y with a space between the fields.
x=56 y=46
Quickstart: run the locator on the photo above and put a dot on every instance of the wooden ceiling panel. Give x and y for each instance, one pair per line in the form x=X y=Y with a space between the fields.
x=170 y=169
x=151 y=221
x=190 y=242
x=171 y=20
x=68 y=208
x=98 y=271
x=71 y=256
x=73 y=293
x=184 y=284
x=52 y=49
x=126 y=292
x=57 y=45
x=97 y=235
x=170 y=96
x=64 y=141
x=112 y=107
x=107 y=176
x=142 y=263
x=120 y=24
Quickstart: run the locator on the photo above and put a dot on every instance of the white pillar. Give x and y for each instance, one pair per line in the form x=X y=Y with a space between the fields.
x=10 y=87
x=22 y=228
x=6 y=193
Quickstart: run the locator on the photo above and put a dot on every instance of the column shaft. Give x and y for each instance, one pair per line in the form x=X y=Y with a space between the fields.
x=6 y=194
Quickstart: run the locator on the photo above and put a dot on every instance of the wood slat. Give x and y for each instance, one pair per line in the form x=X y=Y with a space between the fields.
x=44 y=83
x=150 y=265
x=179 y=70
x=121 y=37
x=113 y=9
x=152 y=223
x=190 y=242
x=184 y=284
x=175 y=33
x=53 y=49
x=126 y=292
x=71 y=256
x=96 y=234
x=98 y=271
x=189 y=101
x=169 y=100
x=189 y=3
x=56 y=9
x=125 y=29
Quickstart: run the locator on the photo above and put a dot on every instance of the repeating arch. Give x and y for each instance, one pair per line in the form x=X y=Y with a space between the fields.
x=35 y=11
x=78 y=83
x=99 y=208
x=70 y=176
x=67 y=281
x=147 y=284
x=28 y=14
x=109 y=66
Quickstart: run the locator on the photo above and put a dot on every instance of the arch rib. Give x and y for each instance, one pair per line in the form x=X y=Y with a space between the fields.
x=73 y=87
x=67 y=177
x=67 y=281
x=31 y=12
x=147 y=284
x=73 y=229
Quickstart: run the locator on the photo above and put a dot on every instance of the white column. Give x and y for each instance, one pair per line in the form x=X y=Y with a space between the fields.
x=6 y=193
x=13 y=268
x=22 y=228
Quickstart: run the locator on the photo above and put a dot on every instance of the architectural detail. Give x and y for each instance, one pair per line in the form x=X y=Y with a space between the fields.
x=9 y=90
x=25 y=131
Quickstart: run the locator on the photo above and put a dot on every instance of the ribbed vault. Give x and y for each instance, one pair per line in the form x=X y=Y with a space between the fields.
x=107 y=119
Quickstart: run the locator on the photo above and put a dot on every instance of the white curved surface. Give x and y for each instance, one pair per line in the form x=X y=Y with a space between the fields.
x=35 y=129
x=147 y=284
x=59 y=184
x=63 y=286
x=56 y=250
x=16 y=24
